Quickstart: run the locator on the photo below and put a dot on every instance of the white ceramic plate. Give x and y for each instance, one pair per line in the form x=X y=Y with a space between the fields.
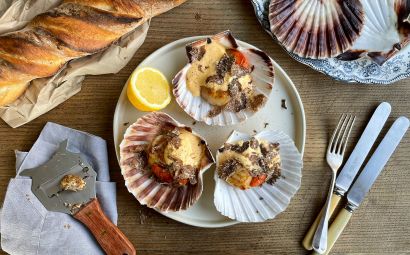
x=170 y=59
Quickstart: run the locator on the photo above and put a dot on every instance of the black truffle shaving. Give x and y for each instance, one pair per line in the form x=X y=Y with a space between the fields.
x=196 y=53
x=262 y=164
x=215 y=79
x=239 y=71
x=240 y=148
x=227 y=168
x=224 y=65
x=238 y=103
x=254 y=143
x=276 y=175
x=141 y=160
x=234 y=87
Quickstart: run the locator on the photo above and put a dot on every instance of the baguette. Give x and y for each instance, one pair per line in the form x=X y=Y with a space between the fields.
x=74 y=29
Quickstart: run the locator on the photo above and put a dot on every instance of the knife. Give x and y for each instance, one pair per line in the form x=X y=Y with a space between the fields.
x=366 y=179
x=82 y=204
x=352 y=165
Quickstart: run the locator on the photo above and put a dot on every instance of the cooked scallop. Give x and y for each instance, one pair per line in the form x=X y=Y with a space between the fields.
x=243 y=190
x=223 y=83
x=148 y=148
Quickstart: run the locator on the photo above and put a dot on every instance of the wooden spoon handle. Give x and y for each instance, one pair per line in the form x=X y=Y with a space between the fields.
x=109 y=236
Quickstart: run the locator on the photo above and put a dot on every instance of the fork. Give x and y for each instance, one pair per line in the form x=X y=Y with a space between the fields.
x=334 y=157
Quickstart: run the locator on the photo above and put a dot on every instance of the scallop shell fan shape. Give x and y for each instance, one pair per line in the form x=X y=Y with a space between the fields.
x=261 y=203
x=198 y=108
x=140 y=181
x=316 y=29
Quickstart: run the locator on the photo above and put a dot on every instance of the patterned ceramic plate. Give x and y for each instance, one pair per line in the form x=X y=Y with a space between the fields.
x=362 y=70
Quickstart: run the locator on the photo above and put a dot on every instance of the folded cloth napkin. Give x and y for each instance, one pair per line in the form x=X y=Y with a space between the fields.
x=26 y=225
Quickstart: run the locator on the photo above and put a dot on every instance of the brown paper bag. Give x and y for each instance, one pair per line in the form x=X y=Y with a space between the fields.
x=44 y=94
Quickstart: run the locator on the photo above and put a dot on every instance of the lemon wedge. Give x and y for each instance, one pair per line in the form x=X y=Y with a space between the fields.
x=148 y=89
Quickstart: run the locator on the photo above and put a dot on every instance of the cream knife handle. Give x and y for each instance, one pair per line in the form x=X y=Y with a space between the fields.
x=307 y=241
x=336 y=229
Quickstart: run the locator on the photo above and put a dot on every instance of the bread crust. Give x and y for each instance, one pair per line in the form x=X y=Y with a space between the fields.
x=74 y=29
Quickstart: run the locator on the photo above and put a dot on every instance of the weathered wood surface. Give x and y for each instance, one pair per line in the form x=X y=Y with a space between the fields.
x=380 y=226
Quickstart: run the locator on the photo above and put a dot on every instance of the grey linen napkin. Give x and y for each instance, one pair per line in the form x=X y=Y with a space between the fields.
x=26 y=226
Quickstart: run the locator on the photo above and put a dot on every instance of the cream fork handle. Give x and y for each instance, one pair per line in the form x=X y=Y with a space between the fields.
x=307 y=241
x=320 y=239
x=337 y=228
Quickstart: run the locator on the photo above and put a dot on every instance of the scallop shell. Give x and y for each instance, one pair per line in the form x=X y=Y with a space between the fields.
x=261 y=203
x=316 y=29
x=198 y=108
x=386 y=31
x=139 y=181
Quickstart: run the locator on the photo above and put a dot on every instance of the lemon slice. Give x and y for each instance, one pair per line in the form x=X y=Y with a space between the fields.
x=148 y=89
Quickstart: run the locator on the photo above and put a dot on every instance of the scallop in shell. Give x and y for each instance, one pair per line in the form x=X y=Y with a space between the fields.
x=316 y=29
x=262 y=76
x=265 y=202
x=140 y=180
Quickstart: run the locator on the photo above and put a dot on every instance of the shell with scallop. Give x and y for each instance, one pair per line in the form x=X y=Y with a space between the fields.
x=348 y=29
x=260 y=203
x=210 y=104
x=140 y=179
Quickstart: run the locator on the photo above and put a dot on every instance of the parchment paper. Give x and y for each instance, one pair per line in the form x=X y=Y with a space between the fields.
x=46 y=93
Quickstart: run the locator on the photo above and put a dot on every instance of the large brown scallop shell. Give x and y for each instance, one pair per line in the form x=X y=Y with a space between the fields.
x=316 y=29
x=140 y=181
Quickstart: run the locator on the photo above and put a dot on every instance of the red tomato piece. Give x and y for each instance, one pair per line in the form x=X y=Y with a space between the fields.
x=161 y=173
x=258 y=180
x=183 y=182
x=240 y=59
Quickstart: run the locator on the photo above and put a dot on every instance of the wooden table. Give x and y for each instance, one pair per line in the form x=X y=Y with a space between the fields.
x=380 y=225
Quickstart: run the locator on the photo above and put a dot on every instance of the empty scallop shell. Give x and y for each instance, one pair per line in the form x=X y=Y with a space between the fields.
x=140 y=182
x=199 y=109
x=316 y=29
x=261 y=203
x=386 y=31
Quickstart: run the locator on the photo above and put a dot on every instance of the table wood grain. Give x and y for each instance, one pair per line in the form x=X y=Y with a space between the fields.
x=380 y=226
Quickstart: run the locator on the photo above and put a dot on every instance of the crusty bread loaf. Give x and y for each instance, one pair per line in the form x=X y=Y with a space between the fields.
x=74 y=29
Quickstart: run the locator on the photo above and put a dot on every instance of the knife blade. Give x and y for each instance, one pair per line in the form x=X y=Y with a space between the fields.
x=353 y=164
x=367 y=178
x=377 y=162
x=362 y=148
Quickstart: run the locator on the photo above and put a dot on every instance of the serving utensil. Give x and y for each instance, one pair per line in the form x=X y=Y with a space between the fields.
x=353 y=164
x=366 y=179
x=335 y=154
x=81 y=204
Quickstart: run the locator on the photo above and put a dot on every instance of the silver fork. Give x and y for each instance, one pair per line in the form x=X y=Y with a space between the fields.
x=334 y=157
